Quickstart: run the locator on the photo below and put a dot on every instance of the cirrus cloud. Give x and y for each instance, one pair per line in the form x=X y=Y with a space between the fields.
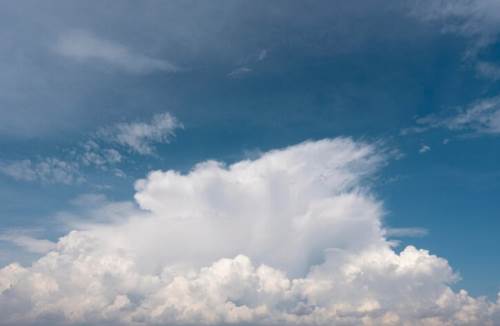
x=139 y=137
x=480 y=117
x=83 y=46
x=46 y=170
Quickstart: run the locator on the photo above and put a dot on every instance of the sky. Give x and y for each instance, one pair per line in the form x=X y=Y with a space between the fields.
x=250 y=162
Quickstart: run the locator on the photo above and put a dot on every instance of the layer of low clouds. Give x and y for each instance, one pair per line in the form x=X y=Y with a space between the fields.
x=294 y=237
x=103 y=150
x=83 y=46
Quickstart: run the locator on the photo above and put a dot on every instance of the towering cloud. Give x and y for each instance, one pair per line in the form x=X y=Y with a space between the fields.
x=292 y=238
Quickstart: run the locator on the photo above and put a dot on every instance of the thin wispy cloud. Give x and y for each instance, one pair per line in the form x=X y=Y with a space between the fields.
x=479 y=118
x=48 y=170
x=239 y=72
x=94 y=154
x=83 y=46
x=262 y=55
x=414 y=232
x=488 y=70
x=424 y=149
x=27 y=241
x=478 y=20
x=104 y=150
x=247 y=65
x=141 y=137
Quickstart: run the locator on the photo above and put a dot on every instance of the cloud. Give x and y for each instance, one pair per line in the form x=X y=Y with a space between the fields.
x=481 y=117
x=478 y=20
x=27 y=242
x=424 y=149
x=406 y=232
x=86 y=47
x=239 y=72
x=488 y=70
x=262 y=55
x=294 y=237
x=95 y=155
x=247 y=63
x=48 y=170
x=96 y=209
x=140 y=137
x=97 y=151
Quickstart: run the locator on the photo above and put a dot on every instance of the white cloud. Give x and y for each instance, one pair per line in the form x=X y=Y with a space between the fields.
x=94 y=154
x=140 y=137
x=85 y=47
x=482 y=117
x=101 y=151
x=424 y=149
x=478 y=20
x=239 y=72
x=406 y=232
x=294 y=237
x=27 y=242
x=47 y=170
x=97 y=210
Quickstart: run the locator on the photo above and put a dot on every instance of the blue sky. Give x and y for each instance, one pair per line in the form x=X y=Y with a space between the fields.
x=94 y=95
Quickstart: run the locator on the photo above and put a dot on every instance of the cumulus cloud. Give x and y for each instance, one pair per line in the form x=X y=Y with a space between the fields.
x=47 y=170
x=481 y=117
x=140 y=137
x=294 y=237
x=85 y=47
